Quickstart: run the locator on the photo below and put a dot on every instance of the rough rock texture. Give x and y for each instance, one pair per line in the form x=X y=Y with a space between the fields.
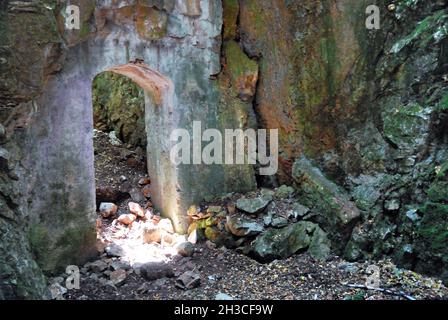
x=282 y=243
x=119 y=105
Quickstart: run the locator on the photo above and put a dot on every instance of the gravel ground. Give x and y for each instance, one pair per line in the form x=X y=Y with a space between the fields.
x=299 y=277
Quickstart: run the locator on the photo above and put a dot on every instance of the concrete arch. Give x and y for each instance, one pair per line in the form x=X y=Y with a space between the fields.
x=179 y=89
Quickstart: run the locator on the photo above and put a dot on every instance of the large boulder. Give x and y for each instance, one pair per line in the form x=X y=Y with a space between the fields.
x=335 y=210
x=241 y=226
x=281 y=243
x=254 y=205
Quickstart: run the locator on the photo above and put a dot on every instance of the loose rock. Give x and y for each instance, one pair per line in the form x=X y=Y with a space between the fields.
x=156 y=270
x=98 y=266
x=114 y=250
x=127 y=219
x=188 y=280
x=241 y=226
x=166 y=224
x=117 y=277
x=57 y=291
x=253 y=205
x=185 y=249
x=152 y=234
x=144 y=181
x=136 y=209
x=108 y=209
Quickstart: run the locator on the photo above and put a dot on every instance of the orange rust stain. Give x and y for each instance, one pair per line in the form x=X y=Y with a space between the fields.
x=148 y=79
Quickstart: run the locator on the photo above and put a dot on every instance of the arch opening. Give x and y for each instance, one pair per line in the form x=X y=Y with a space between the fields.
x=134 y=182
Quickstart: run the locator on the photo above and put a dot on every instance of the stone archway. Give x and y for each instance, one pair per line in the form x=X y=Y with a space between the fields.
x=160 y=120
x=63 y=159
x=182 y=56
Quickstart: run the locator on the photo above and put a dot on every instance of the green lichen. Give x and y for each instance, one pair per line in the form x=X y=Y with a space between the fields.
x=151 y=23
x=443 y=105
x=40 y=242
x=119 y=105
x=434 y=228
x=431 y=28
x=238 y=63
x=230 y=15
x=403 y=123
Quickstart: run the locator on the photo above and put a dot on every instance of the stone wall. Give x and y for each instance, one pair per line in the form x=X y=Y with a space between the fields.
x=47 y=116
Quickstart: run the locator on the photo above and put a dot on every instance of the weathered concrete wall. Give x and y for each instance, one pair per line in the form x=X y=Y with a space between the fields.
x=181 y=40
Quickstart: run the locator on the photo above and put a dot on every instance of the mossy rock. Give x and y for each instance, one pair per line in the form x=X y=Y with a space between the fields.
x=119 y=105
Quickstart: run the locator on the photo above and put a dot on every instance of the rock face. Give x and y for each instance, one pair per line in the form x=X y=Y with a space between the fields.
x=336 y=211
x=366 y=108
x=282 y=243
x=119 y=105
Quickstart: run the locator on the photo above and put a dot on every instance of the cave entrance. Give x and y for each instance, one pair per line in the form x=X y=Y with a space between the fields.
x=132 y=107
x=119 y=141
x=128 y=103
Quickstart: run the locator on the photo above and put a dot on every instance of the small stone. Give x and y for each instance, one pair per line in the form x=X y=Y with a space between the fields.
x=136 y=209
x=253 y=205
x=185 y=249
x=117 y=277
x=193 y=237
x=117 y=265
x=210 y=245
x=188 y=280
x=136 y=195
x=348 y=267
x=114 y=140
x=279 y=222
x=231 y=208
x=412 y=214
x=267 y=219
x=59 y=280
x=392 y=205
x=156 y=218
x=214 y=209
x=146 y=191
x=192 y=211
x=166 y=224
x=149 y=205
x=94 y=277
x=127 y=219
x=144 y=181
x=57 y=291
x=298 y=210
x=223 y=296
x=167 y=239
x=123 y=179
x=98 y=266
x=149 y=214
x=284 y=192
x=152 y=235
x=155 y=270
x=108 y=209
x=114 y=250
x=391 y=7
x=241 y=226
